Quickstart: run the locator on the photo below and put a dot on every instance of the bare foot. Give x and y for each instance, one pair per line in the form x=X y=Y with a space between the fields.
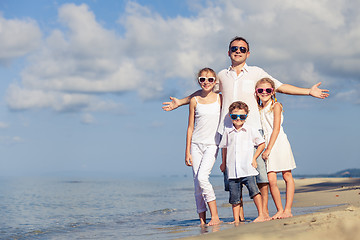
x=202 y=223
x=286 y=214
x=260 y=219
x=277 y=215
x=267 y=217
x=237 y=223
x=214 y=222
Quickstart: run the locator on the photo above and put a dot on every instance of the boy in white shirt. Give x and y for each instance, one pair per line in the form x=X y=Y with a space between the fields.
x=239 y=159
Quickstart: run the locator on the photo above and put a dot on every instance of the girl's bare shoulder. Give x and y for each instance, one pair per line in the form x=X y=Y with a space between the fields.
x=277 y=106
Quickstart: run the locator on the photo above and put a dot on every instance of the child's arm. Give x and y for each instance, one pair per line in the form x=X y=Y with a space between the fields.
x=276 y=129
x=257 y=153
x=223 y=164
x=175 y=103
x=190 y=130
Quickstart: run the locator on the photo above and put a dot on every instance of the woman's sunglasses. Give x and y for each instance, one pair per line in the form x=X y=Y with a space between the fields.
x=267 y=90
x=235 y=48
x=209 y=79
x=236 y=116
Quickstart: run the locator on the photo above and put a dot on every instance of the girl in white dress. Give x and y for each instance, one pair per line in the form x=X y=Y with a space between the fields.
x=202 y=142
x=278 y=152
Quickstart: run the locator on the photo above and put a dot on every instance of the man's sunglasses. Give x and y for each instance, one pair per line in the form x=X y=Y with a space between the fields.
x=236 y=116
x=267 y=90
x=235 y=48
x=209 y=79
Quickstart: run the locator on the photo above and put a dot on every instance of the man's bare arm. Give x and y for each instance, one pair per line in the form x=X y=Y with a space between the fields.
x=314 y=91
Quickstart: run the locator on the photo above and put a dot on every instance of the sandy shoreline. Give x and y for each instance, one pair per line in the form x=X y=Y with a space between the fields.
x=339 y=221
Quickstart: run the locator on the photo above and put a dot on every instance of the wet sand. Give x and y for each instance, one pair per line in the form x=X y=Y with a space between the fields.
x=340 y=219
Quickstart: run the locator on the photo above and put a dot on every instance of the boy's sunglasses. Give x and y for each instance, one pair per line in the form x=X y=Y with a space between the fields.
x=209 y=79
x=267 y=90
x=236 y=116
x=235 y=48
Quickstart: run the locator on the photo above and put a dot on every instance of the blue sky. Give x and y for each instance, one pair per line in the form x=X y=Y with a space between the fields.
x=82 y=82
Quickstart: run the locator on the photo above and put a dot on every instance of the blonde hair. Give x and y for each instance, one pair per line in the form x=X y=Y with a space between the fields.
x=207 y=70
x=273 y=96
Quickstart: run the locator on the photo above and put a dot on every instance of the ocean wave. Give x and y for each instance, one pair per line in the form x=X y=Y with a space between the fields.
x=162 y=211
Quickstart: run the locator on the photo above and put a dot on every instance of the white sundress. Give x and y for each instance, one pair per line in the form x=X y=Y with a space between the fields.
x=281 y=157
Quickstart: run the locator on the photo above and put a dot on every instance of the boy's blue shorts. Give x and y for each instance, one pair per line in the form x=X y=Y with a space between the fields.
x=235 y=188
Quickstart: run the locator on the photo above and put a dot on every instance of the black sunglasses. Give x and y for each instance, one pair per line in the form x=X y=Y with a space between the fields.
x=236 y=116
x=235 y=48
x=267 y=90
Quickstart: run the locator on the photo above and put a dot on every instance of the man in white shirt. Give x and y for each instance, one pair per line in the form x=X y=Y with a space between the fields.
x=237 y=83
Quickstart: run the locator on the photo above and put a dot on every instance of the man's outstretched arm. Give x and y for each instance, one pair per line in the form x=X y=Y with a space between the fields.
x=314 y=91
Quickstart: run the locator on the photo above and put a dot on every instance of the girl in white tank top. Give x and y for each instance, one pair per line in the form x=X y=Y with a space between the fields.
x=201 y=143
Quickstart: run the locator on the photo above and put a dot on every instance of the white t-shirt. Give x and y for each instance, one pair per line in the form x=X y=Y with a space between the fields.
x=240 y=150
x=241 y=88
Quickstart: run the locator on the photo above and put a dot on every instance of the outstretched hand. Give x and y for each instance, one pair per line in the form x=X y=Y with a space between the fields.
x=169 y=106
x=315 y=91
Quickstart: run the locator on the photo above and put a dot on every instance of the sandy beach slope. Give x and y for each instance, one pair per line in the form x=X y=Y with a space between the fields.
x=339 y=220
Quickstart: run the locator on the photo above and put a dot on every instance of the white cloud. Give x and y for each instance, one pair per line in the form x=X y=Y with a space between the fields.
x=18 y=38
x=10 y=140
x=4 y=125
x=351 y=95
x=297 y=43
x=22 y=99
x=87 y=119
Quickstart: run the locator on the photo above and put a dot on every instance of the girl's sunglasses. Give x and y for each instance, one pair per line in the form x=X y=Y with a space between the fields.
x=267 y=90
x=235 y=48
x=236 y=116
x=209 y=79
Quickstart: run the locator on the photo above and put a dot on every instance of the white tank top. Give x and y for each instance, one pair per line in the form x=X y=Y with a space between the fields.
x=207 y=118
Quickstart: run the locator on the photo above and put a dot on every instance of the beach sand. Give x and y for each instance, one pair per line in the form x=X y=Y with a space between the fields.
x=340 y=219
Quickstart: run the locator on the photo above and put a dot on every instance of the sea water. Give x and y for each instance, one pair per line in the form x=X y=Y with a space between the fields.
x=95 y=208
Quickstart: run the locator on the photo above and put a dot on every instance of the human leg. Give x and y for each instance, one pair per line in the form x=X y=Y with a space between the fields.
x=275 y=193
x=258 y=203
x=202 y=217
x=226 y=179
x=263 y=184
x=290 y=191
x=236 y=212
x=264 y=190
x=254 y=193
x=208 y=194
x=262 y=180
x=197 y=155
x=214 y=214
x=235 y=196
x=241 y=214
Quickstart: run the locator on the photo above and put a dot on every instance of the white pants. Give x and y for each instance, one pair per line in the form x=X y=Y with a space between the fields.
x=203 y=159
